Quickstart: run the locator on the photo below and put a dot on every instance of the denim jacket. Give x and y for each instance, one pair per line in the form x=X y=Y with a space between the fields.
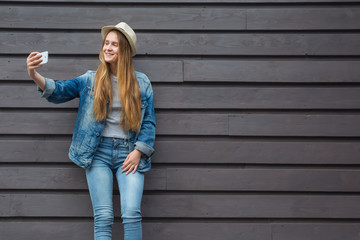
x=87 y=131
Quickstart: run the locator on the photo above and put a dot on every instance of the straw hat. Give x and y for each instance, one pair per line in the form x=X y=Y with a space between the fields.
x=126 y=30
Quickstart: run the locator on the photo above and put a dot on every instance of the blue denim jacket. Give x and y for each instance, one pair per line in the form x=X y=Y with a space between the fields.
x=87 y=131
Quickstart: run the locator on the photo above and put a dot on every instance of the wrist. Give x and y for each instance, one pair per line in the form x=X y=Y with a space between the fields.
x=140 y=153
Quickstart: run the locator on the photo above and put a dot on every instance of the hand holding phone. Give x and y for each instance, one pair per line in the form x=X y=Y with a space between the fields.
x=44 y=57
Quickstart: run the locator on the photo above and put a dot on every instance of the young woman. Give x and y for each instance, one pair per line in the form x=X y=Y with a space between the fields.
x=114 y=131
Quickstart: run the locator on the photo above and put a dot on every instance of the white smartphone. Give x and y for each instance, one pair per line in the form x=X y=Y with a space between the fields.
x=44 y=57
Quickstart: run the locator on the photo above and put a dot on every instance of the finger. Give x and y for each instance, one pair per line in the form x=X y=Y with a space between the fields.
x=33 y=54
x=129 y=170
x=36 y=57
x=126 y=168
x=33 y=63
x=135 y=169
x=35 y=67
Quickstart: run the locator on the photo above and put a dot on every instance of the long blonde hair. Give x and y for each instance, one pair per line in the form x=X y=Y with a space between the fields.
x=127 y=85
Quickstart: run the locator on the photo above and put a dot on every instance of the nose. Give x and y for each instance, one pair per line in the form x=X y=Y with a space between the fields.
x=108 y=48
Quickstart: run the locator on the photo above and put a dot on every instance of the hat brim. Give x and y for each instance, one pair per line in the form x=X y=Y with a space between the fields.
x=106 y=29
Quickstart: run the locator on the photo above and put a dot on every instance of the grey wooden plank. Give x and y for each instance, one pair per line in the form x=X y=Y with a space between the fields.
x=189 y=206
x=330 y=231
x=267 y=180
x=206 y=151
x=300 y=18
x=82 y=230
x=199 y=18
x=210 y=97
x=189 y=1
x=152 y=18
x=192 y=179
x=256 y=152
x=325 y=125
x=271 y=71
x=68 y=68
x=297 y=44
x=63 y=123
x=255 y=98
x=61 y=178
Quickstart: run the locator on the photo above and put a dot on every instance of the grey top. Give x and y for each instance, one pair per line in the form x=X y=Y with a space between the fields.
x=112 y=123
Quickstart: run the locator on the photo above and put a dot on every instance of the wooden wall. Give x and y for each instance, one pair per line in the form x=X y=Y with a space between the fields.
x=257 y=104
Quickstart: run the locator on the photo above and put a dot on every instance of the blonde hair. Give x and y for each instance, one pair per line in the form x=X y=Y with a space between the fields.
x=127 y=85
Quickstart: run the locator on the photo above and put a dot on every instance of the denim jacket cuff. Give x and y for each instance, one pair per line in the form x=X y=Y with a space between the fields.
x=49 y=88
x=144 y=148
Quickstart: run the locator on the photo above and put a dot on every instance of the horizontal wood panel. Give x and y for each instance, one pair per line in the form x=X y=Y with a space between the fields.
x=62 y=123
x=189 y=1
x=208 y=152
x=178 y=97
x=303 y=18
x=307 y=71
x=60 y=178
x=193 y=179
x=325 y=125
x=172 y=18
x=188 y=43
x=83 y=230
x=68 y=68
x=202 y=179
x=200 y=18
x=330 y=231
x=189 y=206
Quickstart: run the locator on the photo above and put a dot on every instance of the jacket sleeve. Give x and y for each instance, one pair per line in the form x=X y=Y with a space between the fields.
x=63 y=90
x=146 y=136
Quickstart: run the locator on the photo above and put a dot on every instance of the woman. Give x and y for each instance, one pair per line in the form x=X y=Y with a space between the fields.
x=114 y=131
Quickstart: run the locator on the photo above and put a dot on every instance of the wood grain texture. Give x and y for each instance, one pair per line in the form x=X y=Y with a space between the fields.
x=200 y=18
x=303 y=18
x=274 y=71
x=257 y=118
x=192 y=179
x=319 y=125
x=189 y=1
x=157 y=230
x=63 y=123
x=316 y=125
x=189 y=206
x=152 y=18
x=296 y=44
x=210 y=97
x=38 y=229
x=200 y=151
x=68 y=68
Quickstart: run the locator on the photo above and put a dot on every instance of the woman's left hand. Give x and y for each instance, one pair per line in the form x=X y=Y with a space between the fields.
x=131 y=162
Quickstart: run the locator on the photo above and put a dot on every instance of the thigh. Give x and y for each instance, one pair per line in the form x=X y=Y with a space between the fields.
x=100 y=180
x=131 y=189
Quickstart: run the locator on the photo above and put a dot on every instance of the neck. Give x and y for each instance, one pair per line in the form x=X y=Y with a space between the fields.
x=113 y=68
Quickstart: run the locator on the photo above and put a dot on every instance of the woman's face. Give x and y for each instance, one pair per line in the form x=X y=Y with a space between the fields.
x=111 y=48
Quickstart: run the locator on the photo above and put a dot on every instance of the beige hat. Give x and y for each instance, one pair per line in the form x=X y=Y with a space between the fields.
x=126 y=30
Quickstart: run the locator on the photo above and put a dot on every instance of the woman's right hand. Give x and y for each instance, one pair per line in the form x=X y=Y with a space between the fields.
x=32 y=63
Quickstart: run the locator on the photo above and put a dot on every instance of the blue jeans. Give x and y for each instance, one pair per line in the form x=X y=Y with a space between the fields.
x=108 y=159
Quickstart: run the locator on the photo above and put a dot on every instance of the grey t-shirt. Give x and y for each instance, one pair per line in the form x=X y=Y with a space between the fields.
x=112 y=122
